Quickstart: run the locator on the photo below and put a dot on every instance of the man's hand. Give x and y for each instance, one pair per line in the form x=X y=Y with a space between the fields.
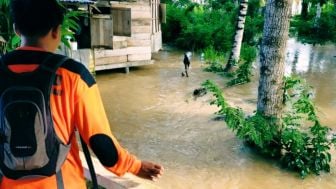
x=150 y=171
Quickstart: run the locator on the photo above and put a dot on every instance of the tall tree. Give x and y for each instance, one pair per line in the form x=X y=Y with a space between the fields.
x=238 y=37
x=304 y=9
x=272 y=57
x=318 y=14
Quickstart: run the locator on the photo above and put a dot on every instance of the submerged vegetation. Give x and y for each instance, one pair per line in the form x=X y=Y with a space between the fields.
x=214 y=63
x=297 y=138
x=245 y=69
x=300 y=142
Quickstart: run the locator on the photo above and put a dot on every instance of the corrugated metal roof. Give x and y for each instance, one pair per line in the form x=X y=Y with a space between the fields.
x=78 y=1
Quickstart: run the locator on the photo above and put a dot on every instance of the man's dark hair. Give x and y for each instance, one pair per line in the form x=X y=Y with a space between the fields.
x=35 y=18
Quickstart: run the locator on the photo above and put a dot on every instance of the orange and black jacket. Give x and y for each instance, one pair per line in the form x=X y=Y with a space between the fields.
x=75 y=105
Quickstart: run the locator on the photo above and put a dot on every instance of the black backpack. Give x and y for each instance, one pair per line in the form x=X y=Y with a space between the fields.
x=29 y=146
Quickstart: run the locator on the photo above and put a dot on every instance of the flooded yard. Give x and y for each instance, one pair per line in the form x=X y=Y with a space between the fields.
x=154 y=115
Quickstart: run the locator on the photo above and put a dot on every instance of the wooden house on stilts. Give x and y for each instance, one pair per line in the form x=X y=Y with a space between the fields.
x=117 y=34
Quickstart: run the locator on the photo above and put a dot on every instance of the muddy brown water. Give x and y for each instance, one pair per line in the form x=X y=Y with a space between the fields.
x=154 y=115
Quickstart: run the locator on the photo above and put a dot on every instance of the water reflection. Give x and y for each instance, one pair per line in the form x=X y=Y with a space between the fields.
x=308 y=59
x=317 y=64
x=298 y=58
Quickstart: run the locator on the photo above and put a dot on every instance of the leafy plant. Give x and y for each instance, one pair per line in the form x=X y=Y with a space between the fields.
x=305 y=30
x=13 y=42
x=300 y=143
x=306 y=147
x=242 y=75
x=69 y=26
x=193 y=27
x=6 y=28
x=244 y=71
x=214 y=60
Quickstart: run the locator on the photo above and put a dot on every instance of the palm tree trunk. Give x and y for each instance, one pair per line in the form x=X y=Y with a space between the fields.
x=272 y=57
x=238 y=37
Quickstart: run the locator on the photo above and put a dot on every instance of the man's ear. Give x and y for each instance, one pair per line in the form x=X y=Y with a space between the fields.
x=56 y=32
x=17 y=32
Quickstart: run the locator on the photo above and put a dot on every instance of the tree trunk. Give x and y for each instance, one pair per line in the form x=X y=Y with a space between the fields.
x=318 y=15
x=272 y=57
x=311 y=61
x=304 y=9
x=238 y=37
x=295 y=61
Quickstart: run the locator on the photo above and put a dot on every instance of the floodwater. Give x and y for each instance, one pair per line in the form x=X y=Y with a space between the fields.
x=154 y=115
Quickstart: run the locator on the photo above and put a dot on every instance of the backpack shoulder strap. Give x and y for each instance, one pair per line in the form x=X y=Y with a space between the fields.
x=2 y=64
x=53 y=62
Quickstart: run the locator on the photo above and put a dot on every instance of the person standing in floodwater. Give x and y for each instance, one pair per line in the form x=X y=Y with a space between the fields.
x=75 y=102
x=186 y=62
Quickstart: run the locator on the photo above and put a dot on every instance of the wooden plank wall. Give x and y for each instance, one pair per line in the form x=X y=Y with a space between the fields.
x=138 y=47
x=122 y=21
x=101 y=37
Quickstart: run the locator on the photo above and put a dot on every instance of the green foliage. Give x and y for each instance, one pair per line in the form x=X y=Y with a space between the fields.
x=214 y=63
x=248 y=53
x=253 y=29
x=210 y=28
x=6 y=28
x=325 y=30
x=69 y=26
x=242 y=75
x=305 y=141
x=300 y=143
x=4 y=3
x=191 y=26
x=254 y=7
x=13 y=42
x=213 y=60
x=218 y=4
x=244 y=72
x=256 y=129
x=89 y=185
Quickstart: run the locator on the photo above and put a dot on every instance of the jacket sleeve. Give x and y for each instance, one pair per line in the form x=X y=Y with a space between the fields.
x=93 y=126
